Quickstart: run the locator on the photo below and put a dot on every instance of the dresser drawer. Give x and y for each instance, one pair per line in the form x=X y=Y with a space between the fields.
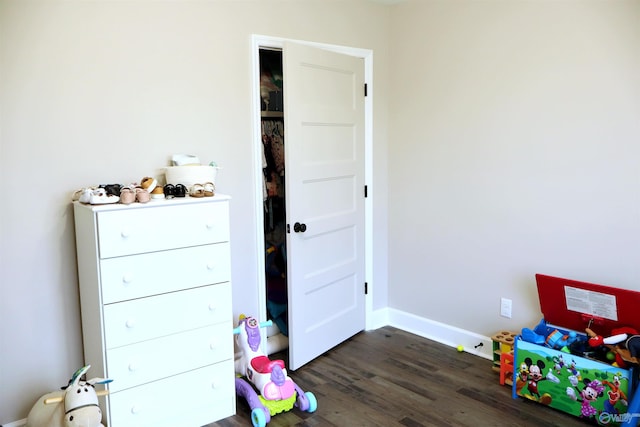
x=192 y=399
x=136 y=276
x=135 y=231
x=152 y=317
x=159 y=358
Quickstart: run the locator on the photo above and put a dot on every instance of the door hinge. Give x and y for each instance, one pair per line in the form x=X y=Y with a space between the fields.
x=366 y=288
x=288 y=229
x=366 y=191
x=365 y=89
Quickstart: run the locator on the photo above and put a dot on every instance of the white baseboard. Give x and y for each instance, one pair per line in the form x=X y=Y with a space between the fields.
x=18 y=423
x=377 y=319
x=452 y=336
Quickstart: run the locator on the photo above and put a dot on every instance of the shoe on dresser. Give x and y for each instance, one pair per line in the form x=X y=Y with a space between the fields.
x=99 y=196
x=142 y=195
x=180 y=190
x=83 y=195
x=127 y=196
x=209 y=189
x=157 y=193
x=148 y=183
x=197 y=190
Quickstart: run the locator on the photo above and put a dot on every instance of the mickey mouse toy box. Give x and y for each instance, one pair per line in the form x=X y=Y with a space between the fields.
x=581 y=357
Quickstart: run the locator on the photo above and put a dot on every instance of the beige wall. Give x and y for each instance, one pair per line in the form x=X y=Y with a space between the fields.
x=515 y=150
x=98 y=92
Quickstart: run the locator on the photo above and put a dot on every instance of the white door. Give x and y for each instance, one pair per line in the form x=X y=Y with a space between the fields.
x=324 y=154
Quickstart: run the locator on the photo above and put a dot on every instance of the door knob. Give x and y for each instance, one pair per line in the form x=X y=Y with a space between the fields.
x=299 y=228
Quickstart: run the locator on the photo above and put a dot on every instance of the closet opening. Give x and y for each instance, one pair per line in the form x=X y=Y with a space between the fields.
x=273 y=169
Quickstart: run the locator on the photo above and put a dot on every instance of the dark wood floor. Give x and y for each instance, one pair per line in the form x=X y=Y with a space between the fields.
x=389 y=377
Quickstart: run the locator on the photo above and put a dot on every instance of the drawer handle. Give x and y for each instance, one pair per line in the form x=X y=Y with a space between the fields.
x=127 y=278
x=133 y=367
x=214 y=384
x=211 y=266
x=130 y=323
x=213 y=345
x=125 y=233
x=210 y=225
x=135 y=409
x=212 y=306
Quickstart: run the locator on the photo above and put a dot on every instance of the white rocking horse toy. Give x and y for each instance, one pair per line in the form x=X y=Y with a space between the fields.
x=264 y=383
x=80 y=408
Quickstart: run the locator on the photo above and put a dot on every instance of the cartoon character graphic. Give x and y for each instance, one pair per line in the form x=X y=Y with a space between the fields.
x=573 y=370
x=524 y=372
x=590 y=393
x=535 y=376
x=521 y=378
x=614 y=395
x=558 y=363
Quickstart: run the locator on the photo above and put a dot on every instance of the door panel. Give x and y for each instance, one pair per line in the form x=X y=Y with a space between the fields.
x=324 y=110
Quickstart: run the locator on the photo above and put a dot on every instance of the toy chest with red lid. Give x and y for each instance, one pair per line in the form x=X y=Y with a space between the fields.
x=555 y=366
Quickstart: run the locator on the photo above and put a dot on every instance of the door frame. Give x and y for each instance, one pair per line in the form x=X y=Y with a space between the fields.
x=258 y=42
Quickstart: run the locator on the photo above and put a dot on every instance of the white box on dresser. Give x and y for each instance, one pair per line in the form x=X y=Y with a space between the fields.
x=155 y=297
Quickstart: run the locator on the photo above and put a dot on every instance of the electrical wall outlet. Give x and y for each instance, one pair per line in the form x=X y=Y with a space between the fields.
x=505 y=307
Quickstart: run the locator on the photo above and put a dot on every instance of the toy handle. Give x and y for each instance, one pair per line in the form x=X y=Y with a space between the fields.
x=236 y=330
x=59 y=399
x=51 y=400
x=615 y=339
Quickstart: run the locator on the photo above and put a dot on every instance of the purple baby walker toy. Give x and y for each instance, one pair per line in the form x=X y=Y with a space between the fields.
x=262 y=382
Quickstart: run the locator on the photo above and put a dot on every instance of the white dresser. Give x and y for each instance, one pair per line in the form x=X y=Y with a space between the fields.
x=155 y=295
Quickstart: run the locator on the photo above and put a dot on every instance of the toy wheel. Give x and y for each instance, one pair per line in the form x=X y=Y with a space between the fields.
x=258 y=418
x=313 y=403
